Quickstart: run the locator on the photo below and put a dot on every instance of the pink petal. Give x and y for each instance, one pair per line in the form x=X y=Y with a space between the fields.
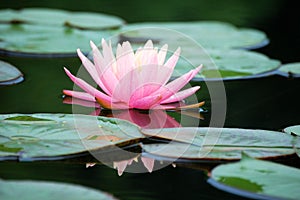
x=174 y=86
x=70 y=100
x=146 y=56
x=149 y=45
x=181 y=95
x=162 y=54
x=145 y=103
x=172 y=61
x=140 y=82
x=148 y=163
x=125 y=60
x=89 y=66
x=104 y=70
x=79 y=95
x=102 y=98
x=121 y=166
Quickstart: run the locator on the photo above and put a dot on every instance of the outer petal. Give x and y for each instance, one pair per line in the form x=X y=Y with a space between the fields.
x=70 y=100
x=93 y=71
x=174 y=86
x=172 y=61
x=162 y=54
x=181 y=95
x=105 y=100
x=104 y=70
x=79 y=95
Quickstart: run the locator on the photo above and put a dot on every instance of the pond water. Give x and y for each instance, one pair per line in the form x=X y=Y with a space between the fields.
x=266 y=103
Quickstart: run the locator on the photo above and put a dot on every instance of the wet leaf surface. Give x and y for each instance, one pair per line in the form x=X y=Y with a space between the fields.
x=257 y=179
x=53 y=136
x=13 y=190
x=219 y=144
x=9 y=74
x=209 y=34
x=291 y=69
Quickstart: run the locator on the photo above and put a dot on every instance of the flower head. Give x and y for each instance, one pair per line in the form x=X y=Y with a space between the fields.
x=132 y=79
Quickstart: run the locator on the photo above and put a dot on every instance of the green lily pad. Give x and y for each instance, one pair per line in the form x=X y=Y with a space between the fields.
x=53 y=136
x=85 y=20
x=220 y=144
x=46 y=40
x=9 y=74
x=293 y=130
x=257 y=179
x=8 y=16
x=229 y=64
x=291 y=69
x=209 y=34
x=56 y=17
x=36 y=190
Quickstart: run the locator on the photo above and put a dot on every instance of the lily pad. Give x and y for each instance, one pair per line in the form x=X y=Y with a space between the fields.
x=54 y=136
x=291 y=69
x=293 y=130
x=219 y=144
x=36 y=190
x=46 y=40
x=257 y=179
x=56 y=17
x=209 y=34
x=229 y=64
x=97 y=21
x=9 y=74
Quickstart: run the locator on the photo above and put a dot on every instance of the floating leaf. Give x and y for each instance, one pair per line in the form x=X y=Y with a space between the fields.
x=52 y=32
x=209 y=34
x=257 y=179
x=85 y=20
x=36 y=190
x=9 y=74
x=291 y=69
x=42 y=40
x=56 y=17
x=293 y=130
x=52 y=136
x=229 y=64
x=219 y=144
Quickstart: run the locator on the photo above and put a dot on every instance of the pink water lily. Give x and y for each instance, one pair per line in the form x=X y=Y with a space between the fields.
x=132 y=79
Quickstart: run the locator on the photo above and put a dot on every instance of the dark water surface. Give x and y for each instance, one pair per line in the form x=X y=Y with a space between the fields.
x=266 y=103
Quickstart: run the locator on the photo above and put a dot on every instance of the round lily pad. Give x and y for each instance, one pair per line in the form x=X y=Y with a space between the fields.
x=228 y=143
x=36 y=190
x=85 y=20
x=56 y=17
x=56 y=136
x=38 y=40
x=9 y=74
x=209 y=34
x=293 y=130
x=229 y=64
x=257 y=179
x=9 y=16
x=291 y=69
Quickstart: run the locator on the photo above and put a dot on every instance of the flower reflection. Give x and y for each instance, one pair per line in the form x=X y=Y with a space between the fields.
x=145 y=119
x=121 y=165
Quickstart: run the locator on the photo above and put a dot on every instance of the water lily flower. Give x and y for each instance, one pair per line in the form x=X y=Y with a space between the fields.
x=132 y=79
